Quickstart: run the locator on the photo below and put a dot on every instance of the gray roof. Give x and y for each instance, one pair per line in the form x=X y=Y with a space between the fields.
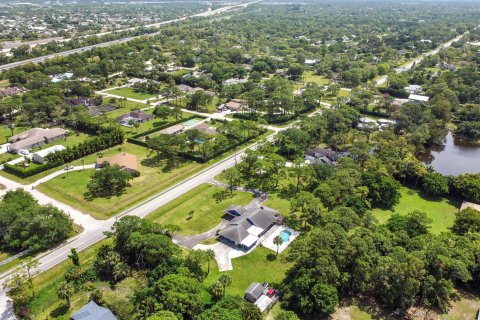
x=92 y=311
x=237 y=208
x=237 y=229
x=254 y=291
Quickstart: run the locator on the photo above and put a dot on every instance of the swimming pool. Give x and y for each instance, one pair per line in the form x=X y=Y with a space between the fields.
x=191 y=122
x=285 y=235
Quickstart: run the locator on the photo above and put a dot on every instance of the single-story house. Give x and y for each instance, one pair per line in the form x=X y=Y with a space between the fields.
x=417 y=97
x=10 y=91
x=233 y=81
x=60 y=77
x=311 y=62
x=73 y=102
x=92 y=311
x=126 y=162
x=321 y=156
x=447 y=66
x=235 y=105
x=40 y=156
x=261 y=295
x=414 y=89
x=385 y=123
x=137 y=116
x=132 y=81
x=35 y=137
x=175 y=129
x=205 y=128
x=248 y=225
x=184 y=88
x=367 y=123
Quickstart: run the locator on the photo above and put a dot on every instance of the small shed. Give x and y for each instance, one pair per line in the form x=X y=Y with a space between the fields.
x=253 y=292
x=40 y=156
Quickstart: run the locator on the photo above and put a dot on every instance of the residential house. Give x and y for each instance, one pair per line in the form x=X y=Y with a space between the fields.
x=261 y=295
x=73 y=102
x=126 y=162
x=40 y=156
x=248 y=225
x=414 y=89
x=321 y=156
x=233 y=81
x=61 y=77
x=136 y=116
x=311 y=62
x=418 y=98
x=184 y=88
x=35 y=137
x=175 y=129
x=10 y=91
x=235 y=105
x=447 y=66
x=366 y=123
x=205 y=128
x=92 y=311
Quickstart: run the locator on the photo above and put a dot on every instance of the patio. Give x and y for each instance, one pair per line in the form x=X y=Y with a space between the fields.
x=268 y=242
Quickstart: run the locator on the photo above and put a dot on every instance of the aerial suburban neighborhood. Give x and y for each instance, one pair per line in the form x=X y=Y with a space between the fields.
x=240 y=160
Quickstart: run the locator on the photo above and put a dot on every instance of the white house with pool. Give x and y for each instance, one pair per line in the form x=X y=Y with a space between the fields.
x=285 y=233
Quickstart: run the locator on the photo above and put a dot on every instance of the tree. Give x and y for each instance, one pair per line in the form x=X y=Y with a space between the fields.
x=468 y=186
x=383 y=190
x=286 y=315
x=295 y=71
x=325 y=298
x=20 y=290
x=209 y=255
x=163 y=315
x=292 y=142
x=414 y=224
x=162 y=111
x=216 y=289
x=225 y=280
x=66 y=291
x=435 y=184
x=73 y=256
x=278 y=242
x=467 y=221
x=110 y=181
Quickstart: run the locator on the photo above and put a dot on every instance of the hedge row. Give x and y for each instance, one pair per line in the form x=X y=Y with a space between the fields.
x=25 y=172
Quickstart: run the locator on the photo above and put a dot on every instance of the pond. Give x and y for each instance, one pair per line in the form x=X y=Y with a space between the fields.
x=454 y=157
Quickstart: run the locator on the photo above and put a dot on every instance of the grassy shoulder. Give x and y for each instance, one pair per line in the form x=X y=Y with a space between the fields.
x=200 y=209
x=440 y=210
x=46 y=304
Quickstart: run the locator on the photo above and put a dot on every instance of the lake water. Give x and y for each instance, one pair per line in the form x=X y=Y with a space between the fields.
x=454 y=158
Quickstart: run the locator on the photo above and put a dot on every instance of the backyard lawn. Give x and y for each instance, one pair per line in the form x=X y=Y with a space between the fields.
x=440 y=210
x=198 y=210
x=260 y=265
x=128 y=92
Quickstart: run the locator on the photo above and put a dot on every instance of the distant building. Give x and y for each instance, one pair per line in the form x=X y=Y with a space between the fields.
x=92 y=311
x=417 y=97
x=414 y=89
x=175 y=129
x=248 y=225
x=447 y=66
x=10 y=91
x=126 y=162
x=233 y=81
x=35 y=137
x=311 y=62
x=61 y=77
x=73 y=102
x=235 y=105
x=40 y=156
x=137 y=116
x=205 y=128
x=184 y=88
x=321 y=156
x=366 y=123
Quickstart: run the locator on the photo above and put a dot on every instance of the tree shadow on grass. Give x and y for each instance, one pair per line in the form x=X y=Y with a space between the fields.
x=59 y=311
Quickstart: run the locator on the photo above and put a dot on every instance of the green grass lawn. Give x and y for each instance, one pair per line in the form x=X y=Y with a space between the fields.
x=310 y=76
x=202 y=201
x=6 y=133
x=440 y=210
x=70 y=187
x=343 y=93
x=128 y=92
x=258 y=266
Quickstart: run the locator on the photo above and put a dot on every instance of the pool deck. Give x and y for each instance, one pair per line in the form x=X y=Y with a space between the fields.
x=268 y=242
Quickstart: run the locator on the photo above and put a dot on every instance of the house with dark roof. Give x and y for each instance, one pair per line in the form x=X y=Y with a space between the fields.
x=248 y=225
x=136 y=116
x=92 y=311
x=253 y=292
x=73 y=102
x=321 y=156
x=10 y=91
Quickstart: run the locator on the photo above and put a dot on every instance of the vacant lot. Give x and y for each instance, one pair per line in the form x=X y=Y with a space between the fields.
x=310 y=76
x=132 y=93
x=440 y=210
x=200 y=209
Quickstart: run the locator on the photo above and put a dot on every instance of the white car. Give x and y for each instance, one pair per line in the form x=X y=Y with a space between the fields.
x=24 y=152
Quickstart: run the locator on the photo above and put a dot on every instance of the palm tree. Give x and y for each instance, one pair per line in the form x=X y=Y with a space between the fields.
x=278 y=242
x=225 y=280
x=65 y=291
x=216 y=289
x=209 y=255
